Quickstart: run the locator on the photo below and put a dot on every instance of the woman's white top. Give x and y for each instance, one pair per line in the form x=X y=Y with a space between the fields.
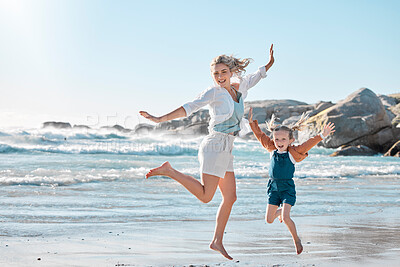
x=220 y=102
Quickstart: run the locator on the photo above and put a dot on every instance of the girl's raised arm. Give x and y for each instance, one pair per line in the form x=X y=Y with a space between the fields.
x=265 y=141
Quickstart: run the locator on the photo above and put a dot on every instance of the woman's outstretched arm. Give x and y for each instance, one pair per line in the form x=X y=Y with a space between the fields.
x=203 y=99
x=177 y=113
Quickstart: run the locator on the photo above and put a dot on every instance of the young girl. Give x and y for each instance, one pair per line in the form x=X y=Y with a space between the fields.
x=284 y=155
x=225 y=101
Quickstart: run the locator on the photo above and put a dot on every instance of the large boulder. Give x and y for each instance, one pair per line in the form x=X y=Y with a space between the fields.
x=318 y=107
x=359 y=115
x=283 y=109
x=57 y=125
x=394 y=151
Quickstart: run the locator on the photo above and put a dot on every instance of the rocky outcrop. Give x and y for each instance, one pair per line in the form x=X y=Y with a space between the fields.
x=82 y=127
x=57 y=125
x=118 y=128
x=143 y=128
x=363 y=120
x=195 y=124
x=380 y=141
x=359 y=115
x=283 y=109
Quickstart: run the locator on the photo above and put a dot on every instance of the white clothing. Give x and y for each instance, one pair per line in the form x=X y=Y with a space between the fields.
x=215 y=154
x=221 y=103
x=279 y=152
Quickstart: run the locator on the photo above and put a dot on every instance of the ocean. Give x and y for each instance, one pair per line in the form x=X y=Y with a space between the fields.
x=66 y=182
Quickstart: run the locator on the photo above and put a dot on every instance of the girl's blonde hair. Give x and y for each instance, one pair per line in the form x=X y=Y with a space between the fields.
x=236 y=65
x=298 y=126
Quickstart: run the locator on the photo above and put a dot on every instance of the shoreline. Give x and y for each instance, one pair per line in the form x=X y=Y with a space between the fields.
x=349 y=240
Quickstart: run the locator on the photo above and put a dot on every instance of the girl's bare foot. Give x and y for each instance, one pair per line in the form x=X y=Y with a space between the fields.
x=279 y=212
x=299 y=246
x=163 y=170
x=220 y=248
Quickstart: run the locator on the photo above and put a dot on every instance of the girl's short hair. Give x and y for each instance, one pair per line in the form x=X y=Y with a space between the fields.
x=236 y=65
x=298 y=126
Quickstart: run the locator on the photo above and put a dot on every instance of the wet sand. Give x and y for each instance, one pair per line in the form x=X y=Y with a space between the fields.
x=364 y=239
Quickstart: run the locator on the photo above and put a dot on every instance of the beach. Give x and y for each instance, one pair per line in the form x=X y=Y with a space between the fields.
x=368 y=239
x=84 y=201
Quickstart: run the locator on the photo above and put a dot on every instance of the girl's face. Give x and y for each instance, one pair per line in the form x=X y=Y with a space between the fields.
x=221 y=75
x=281 y=140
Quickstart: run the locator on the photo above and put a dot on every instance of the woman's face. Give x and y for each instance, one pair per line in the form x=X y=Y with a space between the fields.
x=221 y=75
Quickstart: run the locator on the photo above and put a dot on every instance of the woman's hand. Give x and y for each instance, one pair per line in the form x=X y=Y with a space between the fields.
x=271 y=58
x=328 y=129
x=251 y=115
x=150 y=117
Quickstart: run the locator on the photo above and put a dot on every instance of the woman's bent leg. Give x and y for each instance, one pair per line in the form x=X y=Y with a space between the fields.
x=228 y=191
x=204 y=191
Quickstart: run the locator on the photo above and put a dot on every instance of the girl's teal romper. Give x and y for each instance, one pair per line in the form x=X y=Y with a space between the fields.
x=281 y=188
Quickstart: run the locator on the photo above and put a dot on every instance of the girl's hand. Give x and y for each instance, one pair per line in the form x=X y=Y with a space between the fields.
x=251 y=115
x=328 y=129
x=150 y=117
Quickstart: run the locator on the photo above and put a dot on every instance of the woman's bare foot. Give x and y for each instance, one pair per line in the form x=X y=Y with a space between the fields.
x=299 y=246
x=163 y=170
x=220 y=248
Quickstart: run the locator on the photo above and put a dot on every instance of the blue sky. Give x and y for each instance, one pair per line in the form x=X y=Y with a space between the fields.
x=100 y=62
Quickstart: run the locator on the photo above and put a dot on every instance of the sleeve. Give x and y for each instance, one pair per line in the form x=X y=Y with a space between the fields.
x=251 y=80
x=205 y=98
x=262 y=137
x=307 y=145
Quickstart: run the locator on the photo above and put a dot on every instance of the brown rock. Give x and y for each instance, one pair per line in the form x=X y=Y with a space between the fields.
x=359 y=115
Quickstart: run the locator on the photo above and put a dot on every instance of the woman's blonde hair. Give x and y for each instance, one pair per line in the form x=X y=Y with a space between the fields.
x=236 y=65
x=298 y=126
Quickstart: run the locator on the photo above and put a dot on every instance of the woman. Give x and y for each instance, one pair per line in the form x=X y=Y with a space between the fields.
x=225 y=101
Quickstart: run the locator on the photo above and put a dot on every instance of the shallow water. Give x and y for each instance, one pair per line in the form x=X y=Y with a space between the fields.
x=55 y=182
